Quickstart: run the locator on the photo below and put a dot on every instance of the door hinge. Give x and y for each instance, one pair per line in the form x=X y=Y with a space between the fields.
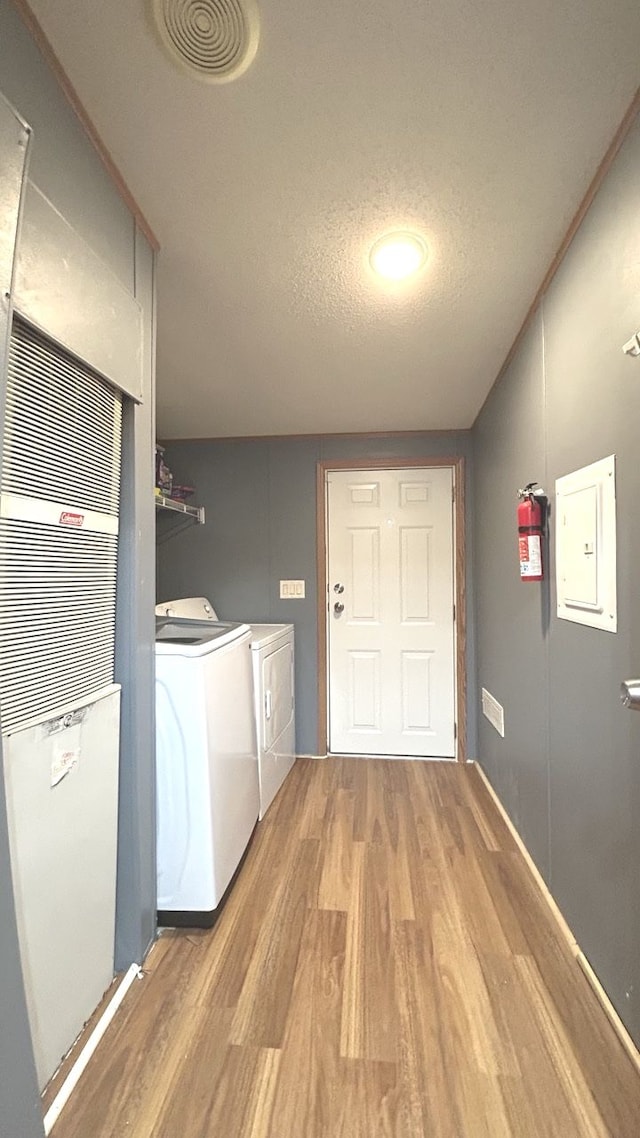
x=455 y=730
x=454 y=614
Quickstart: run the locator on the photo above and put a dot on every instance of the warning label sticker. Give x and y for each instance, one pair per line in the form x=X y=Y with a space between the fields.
x=530 y=556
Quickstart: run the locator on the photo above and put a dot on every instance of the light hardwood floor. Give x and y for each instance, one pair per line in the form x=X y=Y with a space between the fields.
x=384 y=966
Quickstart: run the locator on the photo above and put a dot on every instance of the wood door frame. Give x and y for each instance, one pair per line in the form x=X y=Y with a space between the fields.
x=457 y=466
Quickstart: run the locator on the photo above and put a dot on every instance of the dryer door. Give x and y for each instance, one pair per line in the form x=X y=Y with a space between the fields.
x=277 y=688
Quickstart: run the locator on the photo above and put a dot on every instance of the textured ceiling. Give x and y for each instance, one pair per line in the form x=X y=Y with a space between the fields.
x=478 y=124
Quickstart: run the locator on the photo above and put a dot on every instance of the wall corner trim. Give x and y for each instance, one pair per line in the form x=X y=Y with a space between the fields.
x=592 y=189
x=35 y=29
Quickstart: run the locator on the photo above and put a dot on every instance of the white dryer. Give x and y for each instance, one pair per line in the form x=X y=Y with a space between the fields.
x=207 y=768
x=273 y=660
x=272 y=649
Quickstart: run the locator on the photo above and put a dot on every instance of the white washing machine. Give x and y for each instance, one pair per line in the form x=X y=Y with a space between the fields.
x=207 y=764
x=273 y=659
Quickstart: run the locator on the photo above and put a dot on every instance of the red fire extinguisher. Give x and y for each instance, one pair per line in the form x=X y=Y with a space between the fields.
x=530 y=532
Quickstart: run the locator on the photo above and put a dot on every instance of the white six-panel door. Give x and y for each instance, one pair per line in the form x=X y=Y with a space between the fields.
x=391 y=666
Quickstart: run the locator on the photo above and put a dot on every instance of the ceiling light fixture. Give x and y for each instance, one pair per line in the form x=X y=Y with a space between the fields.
x=397 y=256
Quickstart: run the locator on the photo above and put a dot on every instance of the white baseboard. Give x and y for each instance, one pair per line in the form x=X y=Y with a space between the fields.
x=71 y=1081
x=581 y=959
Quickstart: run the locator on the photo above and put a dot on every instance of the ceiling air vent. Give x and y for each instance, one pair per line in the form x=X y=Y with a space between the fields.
x=214 y=40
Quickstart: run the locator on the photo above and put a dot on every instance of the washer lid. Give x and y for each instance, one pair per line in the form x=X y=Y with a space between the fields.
x=195 y=637
x=264 y=634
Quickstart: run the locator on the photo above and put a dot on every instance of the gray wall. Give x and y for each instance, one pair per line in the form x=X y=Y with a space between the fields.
x=69 y=173
x=135 y=649
x=64 y=165
x=568 y=769
x=260 y=501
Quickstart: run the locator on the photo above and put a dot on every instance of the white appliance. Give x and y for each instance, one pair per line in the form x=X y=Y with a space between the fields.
x=62 y=801
x=207 y=766
x=272 y=651
x=273 y=658
x=60 y=708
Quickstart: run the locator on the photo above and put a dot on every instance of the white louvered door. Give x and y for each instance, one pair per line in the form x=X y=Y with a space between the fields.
x=60 y=491
x=59 y=706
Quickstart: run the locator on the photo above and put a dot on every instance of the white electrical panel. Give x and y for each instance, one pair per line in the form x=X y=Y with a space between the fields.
x=586 y=545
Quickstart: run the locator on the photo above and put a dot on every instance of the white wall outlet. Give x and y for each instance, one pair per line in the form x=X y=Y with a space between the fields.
x=494 y=711
x=292 y=590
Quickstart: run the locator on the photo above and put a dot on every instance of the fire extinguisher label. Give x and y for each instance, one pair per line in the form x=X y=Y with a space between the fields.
x=530 y=556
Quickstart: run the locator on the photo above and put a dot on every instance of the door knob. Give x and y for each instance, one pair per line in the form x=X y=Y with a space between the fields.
x=338 y=607
x=630 y=694
x=338 y=588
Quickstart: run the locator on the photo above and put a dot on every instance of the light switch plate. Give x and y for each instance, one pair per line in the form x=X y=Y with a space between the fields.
x=292 y=590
